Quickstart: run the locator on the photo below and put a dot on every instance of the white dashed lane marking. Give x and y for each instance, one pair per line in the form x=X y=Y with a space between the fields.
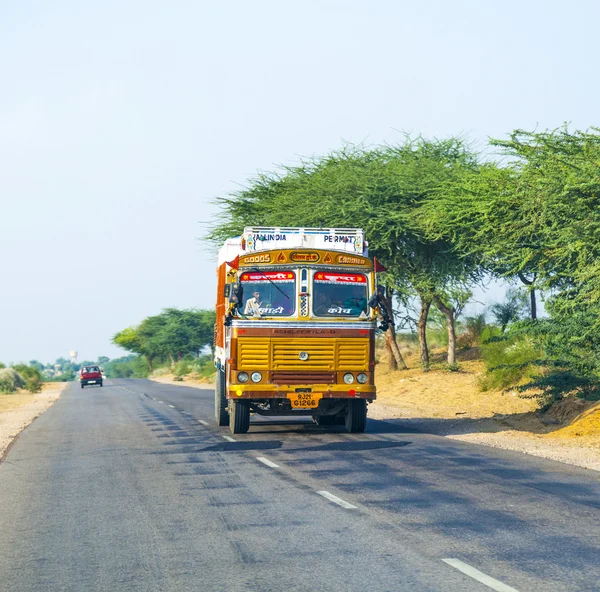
x=479 y=576
x=267 y=462
x=202 y=422
x=229 y=439
x=336 y=500
x=172 y=406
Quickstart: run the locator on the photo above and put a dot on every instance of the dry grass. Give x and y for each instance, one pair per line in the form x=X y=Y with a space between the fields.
x=440 y=394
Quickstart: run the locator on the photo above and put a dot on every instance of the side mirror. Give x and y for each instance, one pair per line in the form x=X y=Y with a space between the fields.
x=375 y=300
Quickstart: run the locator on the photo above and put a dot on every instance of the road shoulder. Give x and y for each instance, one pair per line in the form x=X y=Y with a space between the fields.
x=20 y=410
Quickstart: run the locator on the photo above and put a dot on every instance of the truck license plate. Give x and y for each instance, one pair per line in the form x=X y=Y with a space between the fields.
x=91 y=382
x=304 y=400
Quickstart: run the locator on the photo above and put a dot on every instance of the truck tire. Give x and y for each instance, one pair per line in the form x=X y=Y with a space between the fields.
x=81 y=385
x=239 y=417
x=356 y=416
x=221 y=414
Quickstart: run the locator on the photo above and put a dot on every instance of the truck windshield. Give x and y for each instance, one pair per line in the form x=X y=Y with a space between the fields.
x=339 y=294
x=269 y=293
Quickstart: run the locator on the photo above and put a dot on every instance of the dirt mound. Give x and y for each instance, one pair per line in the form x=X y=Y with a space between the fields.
x=568 y=409
x=585 y=423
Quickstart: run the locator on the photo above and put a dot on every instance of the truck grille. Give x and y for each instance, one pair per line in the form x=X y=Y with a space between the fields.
x=321 y=354
x=353 y=354
x=325 y=356
x=253 y=354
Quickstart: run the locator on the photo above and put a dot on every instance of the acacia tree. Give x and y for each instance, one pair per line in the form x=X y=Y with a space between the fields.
x=170 y=335
x=537 y=218
x=381 y=190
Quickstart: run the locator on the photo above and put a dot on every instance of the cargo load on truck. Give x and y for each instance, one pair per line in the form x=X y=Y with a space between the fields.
x=295 y=331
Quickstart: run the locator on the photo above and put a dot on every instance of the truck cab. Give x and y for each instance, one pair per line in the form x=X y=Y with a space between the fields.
x=295 y=334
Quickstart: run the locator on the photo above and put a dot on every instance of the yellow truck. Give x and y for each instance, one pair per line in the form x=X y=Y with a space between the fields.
x=295 y=331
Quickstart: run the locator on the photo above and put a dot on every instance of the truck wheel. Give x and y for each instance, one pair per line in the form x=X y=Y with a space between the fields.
x=356 y=416
x=101 y=384
x=221 y=415
x=239 y=417
x=82 y=386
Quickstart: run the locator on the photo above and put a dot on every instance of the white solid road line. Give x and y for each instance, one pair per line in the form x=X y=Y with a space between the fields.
x=202 y=422
x=267 y=462
x=336 y=500
x=479 y=576
x=229 y=439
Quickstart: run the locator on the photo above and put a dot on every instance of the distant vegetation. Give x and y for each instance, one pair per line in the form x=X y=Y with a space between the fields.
x=174 y=340
x=442 y=219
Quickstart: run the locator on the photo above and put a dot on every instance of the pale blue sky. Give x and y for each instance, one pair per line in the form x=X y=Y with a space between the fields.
x=121 y=120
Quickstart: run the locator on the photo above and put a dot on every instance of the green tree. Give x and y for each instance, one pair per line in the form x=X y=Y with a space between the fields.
x=170 y=335
x=381 y=190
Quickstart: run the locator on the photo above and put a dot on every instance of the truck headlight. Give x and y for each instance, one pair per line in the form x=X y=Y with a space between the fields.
x=242 y=377
x=362 y=378
x=256 y=376
x=348 y=378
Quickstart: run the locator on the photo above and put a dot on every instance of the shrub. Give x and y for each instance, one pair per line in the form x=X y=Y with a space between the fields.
x=182 y=368
x=509 y=361
x=10 y=380
x=32 y=376
x=466 y=340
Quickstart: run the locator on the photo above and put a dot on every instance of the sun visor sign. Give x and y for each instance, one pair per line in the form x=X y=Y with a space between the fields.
x=344 y=279
x=268 y=276
x=305 y=257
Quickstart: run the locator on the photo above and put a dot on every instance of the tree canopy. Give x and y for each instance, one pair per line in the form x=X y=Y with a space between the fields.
x=170 y=335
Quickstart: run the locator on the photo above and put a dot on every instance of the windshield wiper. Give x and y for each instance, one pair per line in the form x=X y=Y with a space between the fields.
x=270 y=280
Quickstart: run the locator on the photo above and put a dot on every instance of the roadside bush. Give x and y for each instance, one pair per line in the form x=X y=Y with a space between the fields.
x=509 y=361
x=32 y=376
x=204 y=366
x=127 y=367
x=182 y=368
x=10 y=380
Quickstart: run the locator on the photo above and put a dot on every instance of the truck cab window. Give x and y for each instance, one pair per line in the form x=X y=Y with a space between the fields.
x=339 y=294
x=268 y=293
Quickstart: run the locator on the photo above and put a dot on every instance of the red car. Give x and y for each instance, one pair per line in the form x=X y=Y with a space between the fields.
x=90 y=375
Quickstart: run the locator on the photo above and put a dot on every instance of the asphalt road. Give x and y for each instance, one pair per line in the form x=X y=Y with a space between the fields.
x=132 y=487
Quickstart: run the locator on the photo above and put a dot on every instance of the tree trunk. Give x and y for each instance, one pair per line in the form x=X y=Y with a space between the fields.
x=149 y=360
x=422 y=331
x=448 y=312
x=396 y=359
x=532 y=299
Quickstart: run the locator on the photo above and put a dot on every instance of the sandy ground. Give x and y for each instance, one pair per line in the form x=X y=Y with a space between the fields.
x=203 y=383
x=19 y=410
